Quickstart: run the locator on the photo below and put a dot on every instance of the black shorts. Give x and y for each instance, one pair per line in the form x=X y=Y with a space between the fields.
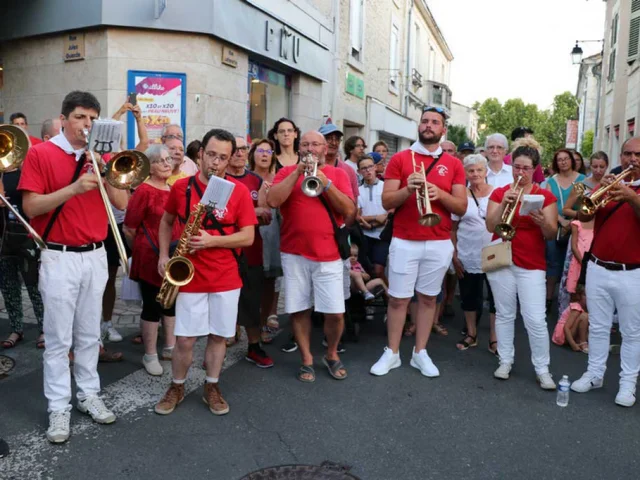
x=113 y=259
x=251 y=298
x=377 y=251
x=152 y=311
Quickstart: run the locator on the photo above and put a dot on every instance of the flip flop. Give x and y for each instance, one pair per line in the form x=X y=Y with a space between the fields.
x=333 y=366
x=306 y=370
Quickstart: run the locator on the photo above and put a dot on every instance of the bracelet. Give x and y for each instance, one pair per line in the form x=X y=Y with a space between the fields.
x=327 y=186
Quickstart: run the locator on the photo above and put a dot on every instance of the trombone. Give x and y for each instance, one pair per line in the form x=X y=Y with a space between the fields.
x=124 y=171
x=14 y=144
x=427 y=217
x=588 y=205
x=505 y=229
x=311 y=184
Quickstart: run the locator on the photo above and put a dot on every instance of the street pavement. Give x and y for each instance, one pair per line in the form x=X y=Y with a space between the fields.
x=464 y=424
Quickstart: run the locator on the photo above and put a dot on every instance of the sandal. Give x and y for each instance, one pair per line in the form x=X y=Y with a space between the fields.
x=334 y=366
x=491 y=350
x=584 y=347
x=137 y=340
x=440 y=329
x=306 y=370
x=272 y=322
x=466 y=345
x=40 y=341
x=12 y=340
x=109 y=357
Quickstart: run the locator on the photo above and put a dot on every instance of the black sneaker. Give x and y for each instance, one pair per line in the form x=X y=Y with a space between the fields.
x=4 y=448
x=340 y=349
x=289 y=347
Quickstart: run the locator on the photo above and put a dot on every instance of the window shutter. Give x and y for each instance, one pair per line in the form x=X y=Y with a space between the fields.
x=612 y=66
x=634 y=32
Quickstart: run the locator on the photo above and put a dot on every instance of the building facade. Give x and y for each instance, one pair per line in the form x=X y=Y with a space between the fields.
x=466 y=117
x=588 y=95
x=620 y=85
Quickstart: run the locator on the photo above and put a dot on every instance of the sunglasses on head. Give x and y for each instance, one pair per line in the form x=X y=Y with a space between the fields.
x=434 y=109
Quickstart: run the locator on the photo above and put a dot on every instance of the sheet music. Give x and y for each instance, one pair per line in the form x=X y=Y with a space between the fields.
x=218 y=193
x=531 y=203
x=106 y=135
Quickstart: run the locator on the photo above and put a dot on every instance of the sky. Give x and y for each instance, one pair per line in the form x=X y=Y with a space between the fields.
x=516 y=48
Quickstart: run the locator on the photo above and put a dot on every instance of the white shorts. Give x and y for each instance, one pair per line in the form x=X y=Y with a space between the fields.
x=418 y=265
x=346 y=279
x=200 y=314
x=308 y=283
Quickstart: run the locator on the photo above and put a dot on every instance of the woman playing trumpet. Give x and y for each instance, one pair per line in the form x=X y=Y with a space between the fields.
x=524 y=280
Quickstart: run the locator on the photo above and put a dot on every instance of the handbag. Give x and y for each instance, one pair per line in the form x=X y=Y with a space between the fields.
x=341 y=233
x=497 y=256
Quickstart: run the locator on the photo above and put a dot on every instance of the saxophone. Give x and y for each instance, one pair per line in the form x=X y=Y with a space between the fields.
x=179 y=269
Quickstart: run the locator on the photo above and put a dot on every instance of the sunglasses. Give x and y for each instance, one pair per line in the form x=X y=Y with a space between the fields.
x=434 y=109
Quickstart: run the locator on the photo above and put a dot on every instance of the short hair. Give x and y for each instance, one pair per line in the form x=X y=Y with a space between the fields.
x=168 y=126
x=192 y=150
x=18 y=115
x=79 y=99
x=554 y=163
x=380 y=143
x=520 y=132
x=154 y=152
x=474 y=159
x=599 y=155
x=526 y=147
x=221 y=135
x=252 y=153
x=365 y=157
x=274 y=130
x=47 y=125
x=350 y=145
x=499 y=138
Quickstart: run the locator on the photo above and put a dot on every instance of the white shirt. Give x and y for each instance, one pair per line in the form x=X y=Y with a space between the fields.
x=370 y=201
x=500 y=179
x=472 y=234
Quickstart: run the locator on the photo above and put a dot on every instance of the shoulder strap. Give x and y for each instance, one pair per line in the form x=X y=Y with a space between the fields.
x=218 y=226
x=153 y=245
x=430 y=167
x=76 y=174
x=331 y=217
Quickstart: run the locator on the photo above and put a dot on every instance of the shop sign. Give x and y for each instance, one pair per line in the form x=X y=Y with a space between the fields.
x=282 y=40
x=229 y=57
x=74 y=47
x=355 y=85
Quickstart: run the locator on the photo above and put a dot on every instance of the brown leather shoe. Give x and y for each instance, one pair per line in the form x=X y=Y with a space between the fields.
x=213 y=398
x=171 y=399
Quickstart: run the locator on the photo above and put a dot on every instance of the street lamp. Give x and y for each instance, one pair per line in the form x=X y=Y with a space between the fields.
x=576 y=54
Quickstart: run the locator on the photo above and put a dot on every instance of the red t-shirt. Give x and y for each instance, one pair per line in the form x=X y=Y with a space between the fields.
x=253 y=182
x=47 y=168
x=448 y=172
x=216 y=269
x=306 y=227
x=617 y=241
x=35 y=141
x=146 y=207
x=528 y=245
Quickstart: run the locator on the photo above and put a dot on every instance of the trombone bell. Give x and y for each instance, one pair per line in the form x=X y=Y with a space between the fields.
x=14 y=143
x=127 y=169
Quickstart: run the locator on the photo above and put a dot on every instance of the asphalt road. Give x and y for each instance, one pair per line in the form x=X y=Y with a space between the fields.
x=464 y=424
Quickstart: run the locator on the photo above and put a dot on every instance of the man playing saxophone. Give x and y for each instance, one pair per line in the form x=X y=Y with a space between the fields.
x=613 y=277
x=208 y=304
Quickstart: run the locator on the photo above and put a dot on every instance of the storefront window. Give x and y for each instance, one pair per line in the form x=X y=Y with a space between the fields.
x=269 y=98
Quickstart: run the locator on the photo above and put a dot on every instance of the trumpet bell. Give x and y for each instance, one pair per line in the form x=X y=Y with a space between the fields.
x=127 y=169
x=429 y=220
x=14 y=143
x=312 y=186
x=179 y=271
x=587 y=206
x=505 y=231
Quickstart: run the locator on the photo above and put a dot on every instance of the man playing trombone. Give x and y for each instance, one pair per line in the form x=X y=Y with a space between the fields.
x=613 y=275
x=60 y=195
x=420 y=253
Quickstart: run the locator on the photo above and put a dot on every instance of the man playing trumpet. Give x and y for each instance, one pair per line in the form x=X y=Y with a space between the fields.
x=421 y=250
x=613 y=277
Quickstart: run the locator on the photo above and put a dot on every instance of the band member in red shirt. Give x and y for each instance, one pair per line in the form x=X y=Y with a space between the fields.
x=524 y=280
x=73 y=270
x=613 y=280
x=208 y=305
x=419 y=256
x=310 y=257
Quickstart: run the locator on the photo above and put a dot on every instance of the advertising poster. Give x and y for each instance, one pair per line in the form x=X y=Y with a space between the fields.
x=162 y=100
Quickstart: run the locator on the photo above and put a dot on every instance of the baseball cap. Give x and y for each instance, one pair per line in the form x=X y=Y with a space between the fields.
x=375 y=156
x=329 y=128
x=466 y=146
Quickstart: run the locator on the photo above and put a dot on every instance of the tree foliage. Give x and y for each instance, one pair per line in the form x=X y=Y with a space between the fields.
x=457 y=134
x=549 y=125
x=587 y=143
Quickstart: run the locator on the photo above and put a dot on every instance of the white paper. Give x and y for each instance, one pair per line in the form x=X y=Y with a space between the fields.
x=217 y=193
x=531 y=203
x=105 y=136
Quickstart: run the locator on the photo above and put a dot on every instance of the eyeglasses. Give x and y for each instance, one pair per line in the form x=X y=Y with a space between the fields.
x=495 y=147
x=242 y=149
x=283 y=131
x=520 y=168
x=172 y=137
x=214 y=156
x=361 y=145
x=367 y=168
x=314 y=145
x=629 y=154
x=268 y=151
x=166 y=161
x=333 y=139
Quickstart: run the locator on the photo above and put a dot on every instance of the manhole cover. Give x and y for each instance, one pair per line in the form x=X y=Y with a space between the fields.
x=326 y=471
x=6 y=364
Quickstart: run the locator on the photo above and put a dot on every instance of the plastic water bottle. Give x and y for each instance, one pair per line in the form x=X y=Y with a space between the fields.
x=563 y=392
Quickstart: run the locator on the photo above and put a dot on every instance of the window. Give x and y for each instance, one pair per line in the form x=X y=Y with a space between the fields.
x=269 y=94
x=415 y=59
x=394 y=56
x=612 y=54
x=634 y=32
x=631 y=128
x=432 y=64
x=356 y=30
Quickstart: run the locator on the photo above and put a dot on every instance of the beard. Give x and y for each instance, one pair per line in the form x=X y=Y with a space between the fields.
x=429 y=138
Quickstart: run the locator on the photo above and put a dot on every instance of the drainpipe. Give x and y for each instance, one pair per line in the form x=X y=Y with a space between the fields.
x=408 y=68
x=335 y=92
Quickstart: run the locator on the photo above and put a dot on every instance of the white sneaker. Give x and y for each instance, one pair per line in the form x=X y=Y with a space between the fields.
x=546 y=381
x=387 y=361
x=368 y=296
x=152 y=365
x=113 y=335
x=95 y=407
x=626 y=397
x=423 y=362
x=58 y=431
x=503 y=371
x=586 y=382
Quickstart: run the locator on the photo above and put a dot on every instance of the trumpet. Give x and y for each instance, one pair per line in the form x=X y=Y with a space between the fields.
x=588 y=205
x=427 y=217
x=505 y=229
x=14 y=143
x=311 y=184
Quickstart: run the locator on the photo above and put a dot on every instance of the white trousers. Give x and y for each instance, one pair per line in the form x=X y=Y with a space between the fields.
x=607 y=290
x=71 y=285
x=529 y=286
